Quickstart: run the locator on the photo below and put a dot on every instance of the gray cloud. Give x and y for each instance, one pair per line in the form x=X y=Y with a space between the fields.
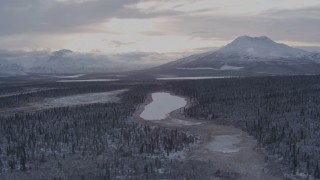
x=48 y=17
x=20 y=16
x=295 y=25
x=119 y=43
x=313 y=12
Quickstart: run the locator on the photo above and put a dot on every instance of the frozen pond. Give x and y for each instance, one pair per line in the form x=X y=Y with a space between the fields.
x=225 y=144
x=81 y=99
x=194 y=78
x=70 y=76
x=162 y=104
x=65 y=101
x=88 y=80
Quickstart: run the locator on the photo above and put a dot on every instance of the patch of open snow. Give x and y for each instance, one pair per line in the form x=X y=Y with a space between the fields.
x=88 y=80
x=81 y=99
x=176 y=155
x=198 y=68
x=162 y=104
x=225 y=144
x=71 y=76
x=194 y=78
x=227 y=67
x=120 y=75
x=184 y=122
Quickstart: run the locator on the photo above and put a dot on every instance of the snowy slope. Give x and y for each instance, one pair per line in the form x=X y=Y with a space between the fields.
x=247 y=56
x=10 y=68
x=65 y=61
x=261 y=47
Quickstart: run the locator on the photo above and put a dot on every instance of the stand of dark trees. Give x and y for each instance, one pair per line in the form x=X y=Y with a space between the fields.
x=99 y=133
x=283 y=113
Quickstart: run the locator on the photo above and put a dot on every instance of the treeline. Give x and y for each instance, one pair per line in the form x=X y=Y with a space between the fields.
x=283 y=113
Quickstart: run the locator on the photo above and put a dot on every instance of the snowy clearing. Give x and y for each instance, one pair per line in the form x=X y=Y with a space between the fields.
x=225 y=144
x=179 y=122
x=162 y=104
x=71 y=76
x=194 y=78
x=227 y=67
x=198 y=68
x=184 y=122
x=88 y=80
x=89 y=98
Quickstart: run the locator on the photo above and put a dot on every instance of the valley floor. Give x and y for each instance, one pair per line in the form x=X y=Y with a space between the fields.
x=234 y=153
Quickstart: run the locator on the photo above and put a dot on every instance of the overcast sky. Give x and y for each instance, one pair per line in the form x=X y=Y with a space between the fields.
x=175 y=26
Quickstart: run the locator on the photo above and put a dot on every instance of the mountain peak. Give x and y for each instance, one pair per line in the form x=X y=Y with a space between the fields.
x=249 y=38
x=261 y=46
x=62 y=52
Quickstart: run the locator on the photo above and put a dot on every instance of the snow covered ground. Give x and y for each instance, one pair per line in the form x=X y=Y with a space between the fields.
x=183 y=122
x=88 y=80
x=71 y=76
x=193 y=78
x=225 y=144
x=227 y=67
x=162 y=104
x=198 y=68
x=81 y=99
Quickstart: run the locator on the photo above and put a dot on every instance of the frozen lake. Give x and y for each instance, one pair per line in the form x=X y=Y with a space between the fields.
x=81 y=99
x=88 y=80
x=70 y=76
x=194 y=78
x=162 y=104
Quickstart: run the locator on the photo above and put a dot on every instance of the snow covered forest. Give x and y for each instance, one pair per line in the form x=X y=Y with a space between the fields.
x=101 y=141
x=283 y=113
x=100 y=137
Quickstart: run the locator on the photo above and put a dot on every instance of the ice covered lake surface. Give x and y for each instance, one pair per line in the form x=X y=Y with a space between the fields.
x=162 y=104
x=81 y=99
x=88 y=80
x=70 y=76
x=194 y=78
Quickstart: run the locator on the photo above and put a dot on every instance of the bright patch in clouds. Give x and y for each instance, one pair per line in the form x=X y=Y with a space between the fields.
x=118 y=43
x=74 y=1
x=131 y=35
x=131 y=26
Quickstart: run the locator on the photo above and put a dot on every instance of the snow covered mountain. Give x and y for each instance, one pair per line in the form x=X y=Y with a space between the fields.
x=66 y=62
x=261 y=47
x=8 y=68
x=247 y=56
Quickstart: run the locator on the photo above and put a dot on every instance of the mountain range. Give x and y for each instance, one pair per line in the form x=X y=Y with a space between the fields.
x=244 y=56
x=67 y=62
